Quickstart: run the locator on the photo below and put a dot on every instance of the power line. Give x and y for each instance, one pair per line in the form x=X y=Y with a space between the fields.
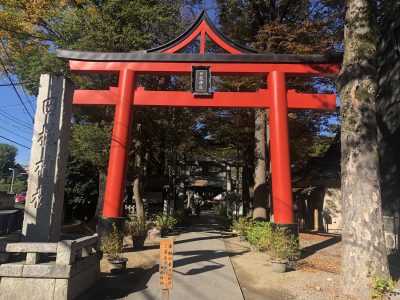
x=10 y=60
x=14 y=142
x=12 y=118
x=15 y=89
x=20 y=136
x=18 y=127
x=16 y=83
x=13 y=105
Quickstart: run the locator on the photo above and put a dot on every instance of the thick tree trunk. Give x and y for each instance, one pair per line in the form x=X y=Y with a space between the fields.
x=260 y=201
x=362 y=234
x=102 y=189
x=137 y=187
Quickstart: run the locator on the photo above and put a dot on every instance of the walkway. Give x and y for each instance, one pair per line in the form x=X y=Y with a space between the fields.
x=202 y=268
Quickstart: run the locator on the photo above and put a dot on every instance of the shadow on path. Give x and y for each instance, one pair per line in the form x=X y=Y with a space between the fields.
x=116 y=286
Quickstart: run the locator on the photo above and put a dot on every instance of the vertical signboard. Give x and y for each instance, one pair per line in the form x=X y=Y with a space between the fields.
x=201 y=80
x=166 y=264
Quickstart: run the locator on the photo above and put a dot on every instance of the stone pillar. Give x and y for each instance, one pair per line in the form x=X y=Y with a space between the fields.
x=47 y=168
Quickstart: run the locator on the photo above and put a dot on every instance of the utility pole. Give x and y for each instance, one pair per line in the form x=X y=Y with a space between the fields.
x=12 y=180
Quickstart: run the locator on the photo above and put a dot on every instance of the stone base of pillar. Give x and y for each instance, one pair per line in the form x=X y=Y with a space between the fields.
x=105 y=225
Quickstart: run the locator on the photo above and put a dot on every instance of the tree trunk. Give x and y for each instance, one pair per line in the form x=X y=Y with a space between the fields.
x=362 y=234
x=136 y=187
x=102 y=190
x=260 y=166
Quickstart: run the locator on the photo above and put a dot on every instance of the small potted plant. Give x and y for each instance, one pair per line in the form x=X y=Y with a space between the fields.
x=137 y=227
x=111 y=244
x=284 y=247
x=164 y=223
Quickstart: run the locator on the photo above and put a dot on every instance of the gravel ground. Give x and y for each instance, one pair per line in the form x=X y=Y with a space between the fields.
x=316 y=275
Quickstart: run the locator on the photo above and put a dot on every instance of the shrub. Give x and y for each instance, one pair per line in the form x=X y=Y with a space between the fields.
x=382 y=285
x=259 y=234
x=112 y=244
x=162 y=221
x=136 y=226
x=242 y=225
x=283 y=246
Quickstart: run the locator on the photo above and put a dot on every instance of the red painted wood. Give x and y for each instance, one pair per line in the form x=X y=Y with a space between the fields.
x=279 y=145
x=184 y=68
x=202 y=30
x=260 y=99
x=186 y=42
x=120 y=143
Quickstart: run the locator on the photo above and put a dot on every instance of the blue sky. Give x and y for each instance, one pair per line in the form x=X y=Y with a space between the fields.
x=15 y=123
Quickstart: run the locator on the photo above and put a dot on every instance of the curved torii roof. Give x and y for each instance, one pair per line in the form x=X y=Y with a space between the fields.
x=202 y=27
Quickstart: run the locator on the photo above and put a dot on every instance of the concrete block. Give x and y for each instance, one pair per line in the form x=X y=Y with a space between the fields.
x=32 y=247
x=66 y=252
x=45 y=195
x=11 y=270
x=61 y=289
x=83 y=281
x=85 y=263
x=26 y=288
x=46 y=271
x=32 y=258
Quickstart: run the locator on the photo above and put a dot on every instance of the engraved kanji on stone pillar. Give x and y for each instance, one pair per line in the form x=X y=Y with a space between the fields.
x=49 y=153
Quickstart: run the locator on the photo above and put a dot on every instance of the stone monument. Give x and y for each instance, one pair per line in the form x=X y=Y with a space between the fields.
x=49 y=153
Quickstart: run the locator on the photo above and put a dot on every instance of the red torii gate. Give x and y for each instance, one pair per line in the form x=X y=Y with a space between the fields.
x=165 y=60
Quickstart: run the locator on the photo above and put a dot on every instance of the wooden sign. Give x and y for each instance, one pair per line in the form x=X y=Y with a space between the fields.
x=166 y=263
x=201 y=80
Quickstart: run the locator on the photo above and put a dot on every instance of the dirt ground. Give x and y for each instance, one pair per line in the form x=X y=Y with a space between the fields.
x=141 y=264
x=316 y=275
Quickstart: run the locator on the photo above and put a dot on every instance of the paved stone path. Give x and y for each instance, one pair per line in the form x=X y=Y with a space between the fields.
x=202 y=268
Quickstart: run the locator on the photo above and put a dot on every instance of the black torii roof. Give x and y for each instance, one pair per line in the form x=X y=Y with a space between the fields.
x=158 y=54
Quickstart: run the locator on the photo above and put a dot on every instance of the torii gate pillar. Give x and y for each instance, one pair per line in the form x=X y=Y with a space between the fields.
x=280 y=157
x=120 y=142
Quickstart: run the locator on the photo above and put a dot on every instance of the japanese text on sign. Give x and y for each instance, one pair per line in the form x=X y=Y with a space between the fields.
x=166 y=264
x=201 y=80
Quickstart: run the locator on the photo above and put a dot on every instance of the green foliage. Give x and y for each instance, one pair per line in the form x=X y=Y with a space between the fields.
x=277 y=241
x=283 y=246
x=242 y=225
x=382 y=285
x=136 y=226
x=7 y=159
x=260 y=235
x=112 y=244
x=91 y=142
x=81 y=189
x=165 y=222
x=4 y=186
x=20 y=184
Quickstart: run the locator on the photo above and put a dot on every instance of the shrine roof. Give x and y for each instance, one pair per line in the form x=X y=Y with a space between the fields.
x=202 y=27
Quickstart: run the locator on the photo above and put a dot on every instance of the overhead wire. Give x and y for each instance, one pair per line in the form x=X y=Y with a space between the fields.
x=13 y=105
x=15 y=83
x=3 y=137
x=10 y=60
x=14 y=88
x=12 y=118
x=20 y=136
x=18 y=127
